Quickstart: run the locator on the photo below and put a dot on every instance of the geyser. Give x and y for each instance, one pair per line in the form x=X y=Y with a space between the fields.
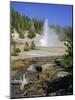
x=50 y=37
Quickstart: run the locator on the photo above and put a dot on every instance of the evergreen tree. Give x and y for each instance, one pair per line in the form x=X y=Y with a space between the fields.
x=26 y=48
x=22 y=23
x=33 y=47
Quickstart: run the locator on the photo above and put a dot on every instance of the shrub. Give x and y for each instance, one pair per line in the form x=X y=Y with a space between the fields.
x=67 y=60
x=26 y=48
x=33 y=47
x=17 y=50
x=31 y=34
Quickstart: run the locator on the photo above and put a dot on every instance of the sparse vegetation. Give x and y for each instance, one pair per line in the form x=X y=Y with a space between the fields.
x=14 y=48
x=26 y=48
x=17 y=50
x=33 y=47
x=67 y=60
x=31 y=34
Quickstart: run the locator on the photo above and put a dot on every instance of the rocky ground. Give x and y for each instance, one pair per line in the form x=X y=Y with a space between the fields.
x=39 y=81
x=40 y=52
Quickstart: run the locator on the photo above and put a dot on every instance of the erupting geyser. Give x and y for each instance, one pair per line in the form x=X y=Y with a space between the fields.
x=44 y=40
x=49 y=37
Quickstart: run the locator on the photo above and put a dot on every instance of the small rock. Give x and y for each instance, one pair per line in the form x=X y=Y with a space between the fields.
x=62 y=74
x=47 y=66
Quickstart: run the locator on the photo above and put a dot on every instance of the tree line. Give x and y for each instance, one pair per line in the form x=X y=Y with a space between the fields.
x=22 y=23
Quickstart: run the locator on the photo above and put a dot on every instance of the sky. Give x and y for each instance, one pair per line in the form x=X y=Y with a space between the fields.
x=56 y=14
